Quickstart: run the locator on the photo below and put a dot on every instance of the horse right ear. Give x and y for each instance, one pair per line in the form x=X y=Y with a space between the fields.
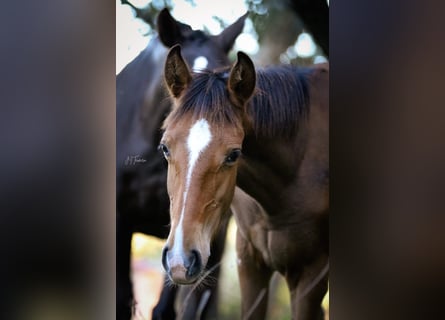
x=227 y=38
x=176 y=72
x=242 y=79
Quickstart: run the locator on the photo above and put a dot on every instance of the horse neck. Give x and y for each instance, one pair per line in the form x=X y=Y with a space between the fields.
x=291 y=171
x=269 y=166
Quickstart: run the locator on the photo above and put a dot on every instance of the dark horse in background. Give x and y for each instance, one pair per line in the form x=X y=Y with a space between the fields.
x=142 y=199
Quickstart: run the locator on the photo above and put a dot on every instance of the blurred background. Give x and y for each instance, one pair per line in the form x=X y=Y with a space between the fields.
x=275 y=32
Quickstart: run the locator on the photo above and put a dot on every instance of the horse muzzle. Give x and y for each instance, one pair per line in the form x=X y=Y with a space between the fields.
x=181 y=267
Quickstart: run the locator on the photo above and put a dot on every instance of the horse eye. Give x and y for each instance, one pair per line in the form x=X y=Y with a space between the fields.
x=162 y=147
x=232 y=156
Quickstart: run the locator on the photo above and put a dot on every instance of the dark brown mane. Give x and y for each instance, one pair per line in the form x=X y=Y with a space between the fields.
x=280 y=101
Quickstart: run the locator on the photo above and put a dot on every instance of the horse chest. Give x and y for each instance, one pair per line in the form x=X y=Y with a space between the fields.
x=281 y=249
x=285 y=249
x=271 y=248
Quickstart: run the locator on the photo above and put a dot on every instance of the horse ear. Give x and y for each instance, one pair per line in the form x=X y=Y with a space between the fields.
x=227 y=37
x=170 y=31
x=242 y=79
x=176 y=73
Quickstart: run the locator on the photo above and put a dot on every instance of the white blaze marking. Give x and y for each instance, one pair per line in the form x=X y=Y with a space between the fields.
x=200 y=63
x=198 y=139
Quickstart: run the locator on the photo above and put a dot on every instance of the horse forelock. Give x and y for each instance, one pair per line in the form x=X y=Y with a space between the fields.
x=207 y=98
x=196 y=36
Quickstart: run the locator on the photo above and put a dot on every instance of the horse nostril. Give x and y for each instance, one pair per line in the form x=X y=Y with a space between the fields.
x=193 y=264
x=164 y=259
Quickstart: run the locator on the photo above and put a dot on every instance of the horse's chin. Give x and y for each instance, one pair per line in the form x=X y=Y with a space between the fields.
x=181 y=280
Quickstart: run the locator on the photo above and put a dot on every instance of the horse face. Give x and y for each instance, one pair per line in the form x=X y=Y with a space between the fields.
x=202 y=164
x=203 y=156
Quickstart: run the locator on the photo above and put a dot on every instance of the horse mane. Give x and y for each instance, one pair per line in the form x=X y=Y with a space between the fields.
x=280 y=101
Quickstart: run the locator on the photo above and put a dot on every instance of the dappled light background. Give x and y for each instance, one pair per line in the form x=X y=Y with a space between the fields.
x=273 y=34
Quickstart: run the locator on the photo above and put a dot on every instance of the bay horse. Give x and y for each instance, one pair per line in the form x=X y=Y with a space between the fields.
x=265 y=131
x=142 y=104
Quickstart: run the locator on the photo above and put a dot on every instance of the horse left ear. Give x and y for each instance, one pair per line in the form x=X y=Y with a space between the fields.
x=170 y=31
x=176 y=73
x=227 y=37
x=242 y=79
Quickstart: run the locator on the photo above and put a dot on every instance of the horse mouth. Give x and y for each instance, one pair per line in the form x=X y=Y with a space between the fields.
x=182 y=281
x=184 y=276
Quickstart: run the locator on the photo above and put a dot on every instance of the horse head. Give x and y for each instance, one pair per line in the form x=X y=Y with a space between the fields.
x=202 y=143
x=200 y=50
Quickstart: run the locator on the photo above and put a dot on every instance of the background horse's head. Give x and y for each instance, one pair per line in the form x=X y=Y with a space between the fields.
x=202 y=143
x=200 y=50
